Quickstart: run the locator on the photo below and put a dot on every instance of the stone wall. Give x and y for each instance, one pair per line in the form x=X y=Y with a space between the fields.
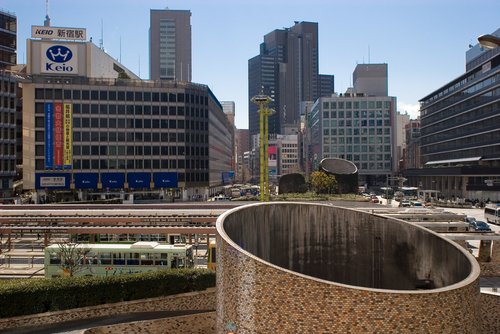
x=199 y=300
x=257 y=293
x=489 y=309
x=202 y=323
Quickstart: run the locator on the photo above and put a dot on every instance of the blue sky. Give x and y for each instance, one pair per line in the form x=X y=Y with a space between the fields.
x=423 y=42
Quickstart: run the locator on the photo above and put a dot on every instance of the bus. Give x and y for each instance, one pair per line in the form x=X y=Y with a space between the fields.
x=212 y=249
x=492 y=213
x=116 y=259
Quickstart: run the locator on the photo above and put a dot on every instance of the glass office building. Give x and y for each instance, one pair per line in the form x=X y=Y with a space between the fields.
x=357 y=128
x=460 y=132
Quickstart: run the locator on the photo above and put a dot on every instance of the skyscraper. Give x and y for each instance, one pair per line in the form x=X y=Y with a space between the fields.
x=170 y=45
x=8 y=33
x=371 y=79
x=286 y=69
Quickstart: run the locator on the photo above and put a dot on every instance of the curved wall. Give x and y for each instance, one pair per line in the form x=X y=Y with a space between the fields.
x=297 y=267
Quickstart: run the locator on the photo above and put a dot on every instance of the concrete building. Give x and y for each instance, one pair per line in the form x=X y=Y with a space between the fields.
x=94 y=129
x=411 y=155
x=8 y=39
x=288 y=154
x=371 y=79
x=8 y=103
x=460 y=132
x=287 y=70
x=356 y=128
x=170 y=45
x=242 y=144
x=229 y=109
x=400 y=138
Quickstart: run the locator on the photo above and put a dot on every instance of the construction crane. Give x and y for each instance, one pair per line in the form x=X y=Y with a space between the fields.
x=263 y=101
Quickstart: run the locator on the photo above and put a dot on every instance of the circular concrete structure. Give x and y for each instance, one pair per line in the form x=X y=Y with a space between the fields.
x=315 y=268
x=345 y=172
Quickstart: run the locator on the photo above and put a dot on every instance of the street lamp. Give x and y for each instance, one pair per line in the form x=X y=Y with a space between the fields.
x=489 y=41
x=263 y=101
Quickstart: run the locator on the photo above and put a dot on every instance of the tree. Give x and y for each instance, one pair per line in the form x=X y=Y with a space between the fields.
x=72 y=256
x=323 y=183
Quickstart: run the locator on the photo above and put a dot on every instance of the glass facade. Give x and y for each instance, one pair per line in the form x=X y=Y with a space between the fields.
x=462 y=119
x=358 y=129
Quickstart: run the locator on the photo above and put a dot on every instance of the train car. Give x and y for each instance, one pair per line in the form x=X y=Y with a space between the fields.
x=114 y=259
x=211 y=261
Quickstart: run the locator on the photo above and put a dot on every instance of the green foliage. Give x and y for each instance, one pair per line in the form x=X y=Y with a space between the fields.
x=44 y=295
x=323 y=183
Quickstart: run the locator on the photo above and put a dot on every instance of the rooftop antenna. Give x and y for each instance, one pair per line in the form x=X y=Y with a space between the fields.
x=120 y=49
x=368 y=54
x=46 y=23
x=139 y=65
x=101 y=41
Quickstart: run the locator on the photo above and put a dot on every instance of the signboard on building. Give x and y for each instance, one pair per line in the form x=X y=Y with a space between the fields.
x=49 y=125
x=166 y=180
x=59 y=58
x=138 y=180
x=52 y=180
x=74 y=34
x=68 y=136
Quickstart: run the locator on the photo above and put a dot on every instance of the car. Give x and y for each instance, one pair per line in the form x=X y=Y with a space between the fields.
x=374 y=199
x=405 y=204
x=479 y=226
x=416 y=204
x=469 y=219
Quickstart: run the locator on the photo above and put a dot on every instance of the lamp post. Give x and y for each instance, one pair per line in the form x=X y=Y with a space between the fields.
x=263 y=101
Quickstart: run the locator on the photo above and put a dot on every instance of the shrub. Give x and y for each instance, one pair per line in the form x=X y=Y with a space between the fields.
x=44 y=295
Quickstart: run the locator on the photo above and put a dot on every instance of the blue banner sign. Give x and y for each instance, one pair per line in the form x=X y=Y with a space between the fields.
x=166 y=180
x=86 y=180
x=138 y=180
x=112 y=180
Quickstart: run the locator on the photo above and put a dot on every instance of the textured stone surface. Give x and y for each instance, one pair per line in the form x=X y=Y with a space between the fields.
x=195 y=323
x=200 y=300
x=255 y=296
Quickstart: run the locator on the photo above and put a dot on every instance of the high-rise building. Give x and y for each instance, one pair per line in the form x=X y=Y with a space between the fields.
x=8 y=37
x=460 y=131
x=8 y=103
x=371 y=79
x=286 y=69
x=170 y=45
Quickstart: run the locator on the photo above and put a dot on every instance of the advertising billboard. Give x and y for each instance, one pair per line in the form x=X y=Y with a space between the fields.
x=49 y=125
x=68 y=136
x=58 y=135
x=59 y=58
x=74 y=34
x=52 y=180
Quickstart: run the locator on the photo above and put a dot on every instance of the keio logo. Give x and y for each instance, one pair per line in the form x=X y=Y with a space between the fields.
x=59 y=56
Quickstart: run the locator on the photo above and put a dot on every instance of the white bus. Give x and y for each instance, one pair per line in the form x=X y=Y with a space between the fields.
x=492 y=213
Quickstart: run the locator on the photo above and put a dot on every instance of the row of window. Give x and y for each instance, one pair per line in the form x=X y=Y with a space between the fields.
x=357 y=114
x=356 y=140
x=121 y=150
x=356 y=148
x=137 y=137
x=356 y=104
x=356 y=123
x=357 y=131
x=132 y=110
x=113 y=95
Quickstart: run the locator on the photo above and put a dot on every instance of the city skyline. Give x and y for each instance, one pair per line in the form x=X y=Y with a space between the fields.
x=423 y=48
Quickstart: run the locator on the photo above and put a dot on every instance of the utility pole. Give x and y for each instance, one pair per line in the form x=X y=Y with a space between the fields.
x=263 y=101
